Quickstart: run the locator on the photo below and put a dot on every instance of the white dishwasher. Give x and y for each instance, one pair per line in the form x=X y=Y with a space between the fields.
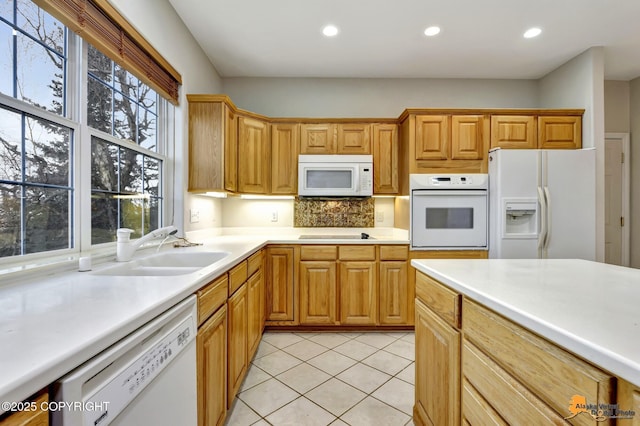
x=147 y=378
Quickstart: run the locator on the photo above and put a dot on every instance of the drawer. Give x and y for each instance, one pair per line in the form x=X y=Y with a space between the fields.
x=442 y=300
x=549 y=371
x=318 y=252
x=254 y=263
x=394 y=252
x=476 y=410
x=516 y=404
x=237 y=276
x=357 y=252
x=211 y=297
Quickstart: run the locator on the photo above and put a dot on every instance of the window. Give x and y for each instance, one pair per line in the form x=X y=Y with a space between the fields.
x=45 y=149
x=36 y=193
x=33 y=55
x=125 y=182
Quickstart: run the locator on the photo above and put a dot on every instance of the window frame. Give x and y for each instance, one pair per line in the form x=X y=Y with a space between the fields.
x=75 y=118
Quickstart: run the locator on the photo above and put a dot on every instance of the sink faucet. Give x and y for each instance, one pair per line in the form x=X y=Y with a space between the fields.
x=125 y=247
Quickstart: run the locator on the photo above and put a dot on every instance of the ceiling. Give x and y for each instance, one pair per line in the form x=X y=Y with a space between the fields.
x=384 y=38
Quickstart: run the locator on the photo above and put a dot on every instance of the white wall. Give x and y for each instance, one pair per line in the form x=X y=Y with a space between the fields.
x=634 y=109
x=579 y=83
x=372 y=97
x=617 y=118
x=162 y=27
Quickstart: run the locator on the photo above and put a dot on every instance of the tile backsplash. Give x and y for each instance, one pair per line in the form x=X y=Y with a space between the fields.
x=341 y=213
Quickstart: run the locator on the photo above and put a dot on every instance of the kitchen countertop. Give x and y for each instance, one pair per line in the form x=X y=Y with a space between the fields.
x=588 y=308
x=51 y=324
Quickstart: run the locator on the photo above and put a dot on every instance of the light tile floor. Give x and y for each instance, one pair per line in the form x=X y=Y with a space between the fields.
x=301 y=379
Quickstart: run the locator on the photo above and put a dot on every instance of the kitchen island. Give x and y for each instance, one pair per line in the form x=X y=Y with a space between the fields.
x=515 y=340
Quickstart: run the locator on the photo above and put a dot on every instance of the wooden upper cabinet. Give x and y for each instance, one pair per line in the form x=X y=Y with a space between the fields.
x=469 y=134
x=385 y=159
x=230 y=150
x=513 y=131
x=354 y=138
x=432 y=137
x=285 y=139
x=559 y=132
x=208 y=145
x=254 y=168
x=318 y=138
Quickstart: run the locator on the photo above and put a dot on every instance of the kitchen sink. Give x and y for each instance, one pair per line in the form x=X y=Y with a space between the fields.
x=165 y=264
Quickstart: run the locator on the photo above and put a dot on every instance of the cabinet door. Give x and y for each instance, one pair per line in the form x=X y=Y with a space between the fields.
x=513 y=131
x=285 y=139
x=432 y=137
x=393 y=299
x=38 y=416
x=468 y=137
x=628 y=399
x=354 y=138
x=385 y=159
x=237 y=356
x=318 y=292
x=206 y=146
x=254 y=169
x=559 y=132
x=254 y=313
x=318 y=138
x=211 y=345
x=280 y=284
x=358 y=295
x=437 y=384
x=230 y=151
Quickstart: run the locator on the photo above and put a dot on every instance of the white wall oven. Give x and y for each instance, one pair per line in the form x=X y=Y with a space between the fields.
x=449 y=212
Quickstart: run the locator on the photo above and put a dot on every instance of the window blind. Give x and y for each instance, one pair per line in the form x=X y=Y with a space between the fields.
x=98 y=22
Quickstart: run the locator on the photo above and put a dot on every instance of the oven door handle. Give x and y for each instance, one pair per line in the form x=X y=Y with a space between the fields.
x=444 y=192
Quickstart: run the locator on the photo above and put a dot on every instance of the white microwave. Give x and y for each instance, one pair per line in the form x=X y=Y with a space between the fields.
x=335 y=175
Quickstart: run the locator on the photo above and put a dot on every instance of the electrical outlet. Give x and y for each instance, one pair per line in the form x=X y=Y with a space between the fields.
x=380 y=217
x=195 y=215
x=274 y=216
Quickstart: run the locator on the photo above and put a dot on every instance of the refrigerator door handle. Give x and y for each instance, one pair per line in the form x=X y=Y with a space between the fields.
x=543 y=218
x=547 y=197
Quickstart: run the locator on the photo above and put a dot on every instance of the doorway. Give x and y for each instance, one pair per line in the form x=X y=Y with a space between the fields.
x=617 y=218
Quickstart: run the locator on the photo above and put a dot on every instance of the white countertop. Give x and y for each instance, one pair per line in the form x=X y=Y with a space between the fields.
x=51 y=324
x=589 y=308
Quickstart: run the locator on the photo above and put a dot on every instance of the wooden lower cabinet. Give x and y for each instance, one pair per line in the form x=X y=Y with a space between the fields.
x=237 y=355
x=492 y=371
x=255 y=290
x=437 y=386
x=393 y=293
x=629 y=400
x=37 y=417
x=211 y=345
x=281 y=280
x=358 y=293
x=318 y=292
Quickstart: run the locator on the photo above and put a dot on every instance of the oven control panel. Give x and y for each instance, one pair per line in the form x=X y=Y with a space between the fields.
x=449 y=181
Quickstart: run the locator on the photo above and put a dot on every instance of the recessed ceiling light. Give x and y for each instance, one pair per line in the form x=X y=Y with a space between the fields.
x=431 y=31
x=532 y=32
x=330 y=30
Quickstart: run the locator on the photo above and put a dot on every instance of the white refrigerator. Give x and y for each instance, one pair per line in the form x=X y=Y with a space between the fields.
x=542 y=204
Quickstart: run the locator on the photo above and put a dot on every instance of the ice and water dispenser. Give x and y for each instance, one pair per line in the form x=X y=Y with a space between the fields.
x=520 y=218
